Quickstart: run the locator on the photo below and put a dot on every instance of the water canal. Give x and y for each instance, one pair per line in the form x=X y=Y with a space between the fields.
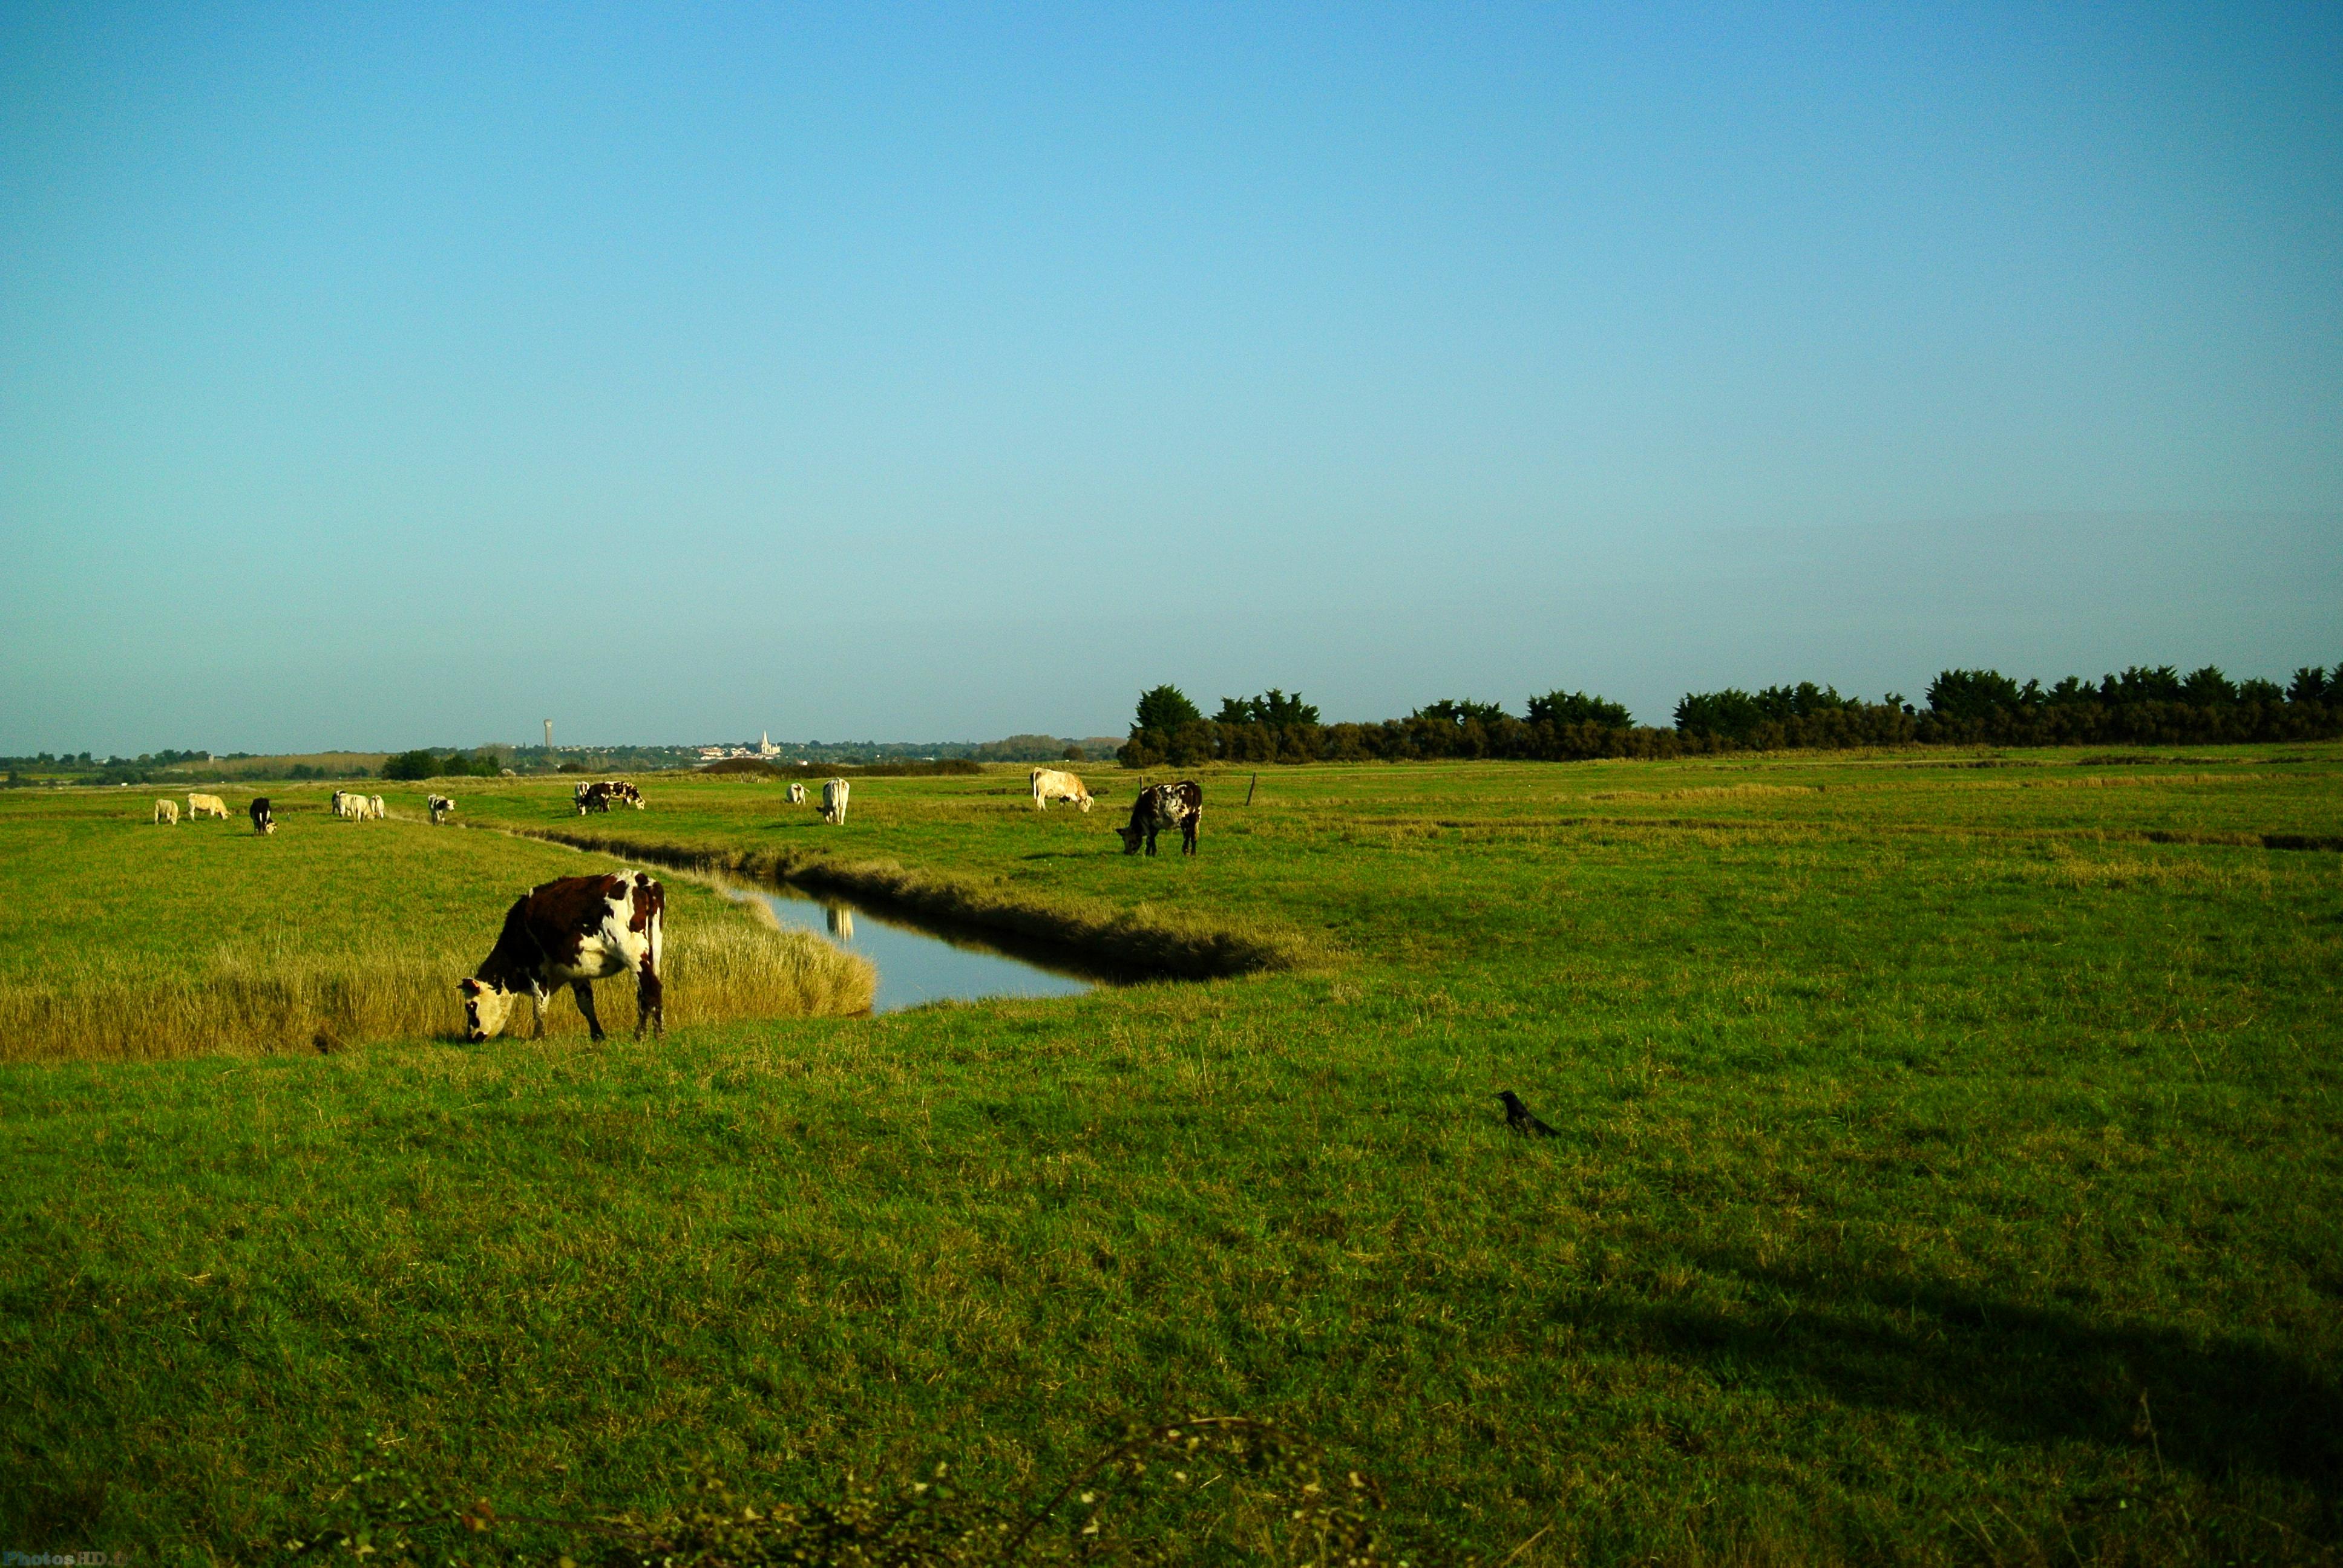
x=915 y=966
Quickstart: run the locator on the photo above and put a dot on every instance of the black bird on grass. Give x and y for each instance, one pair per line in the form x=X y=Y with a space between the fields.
x=1522 y=1120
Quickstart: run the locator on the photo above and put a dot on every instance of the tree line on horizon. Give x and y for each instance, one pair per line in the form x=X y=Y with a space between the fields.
x=2142 y=706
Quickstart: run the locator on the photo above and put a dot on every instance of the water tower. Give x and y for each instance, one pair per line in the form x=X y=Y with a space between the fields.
x=548 y=735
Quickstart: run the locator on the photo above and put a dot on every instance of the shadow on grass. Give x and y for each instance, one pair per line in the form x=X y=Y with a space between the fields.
x=2214 y=1405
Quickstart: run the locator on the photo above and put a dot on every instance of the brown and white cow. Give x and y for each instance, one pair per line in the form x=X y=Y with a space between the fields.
x=167 y=811
x=797 y=792
x=572 y=932
x=1049 y=785
x=264 y=820
x=207 y=806
x=1159 y=805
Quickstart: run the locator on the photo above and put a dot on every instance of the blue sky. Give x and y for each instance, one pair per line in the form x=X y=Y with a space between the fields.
x=406 y=376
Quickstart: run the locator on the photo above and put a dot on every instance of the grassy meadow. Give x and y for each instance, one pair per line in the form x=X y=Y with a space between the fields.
x=144 y=941
x=1949 y=1168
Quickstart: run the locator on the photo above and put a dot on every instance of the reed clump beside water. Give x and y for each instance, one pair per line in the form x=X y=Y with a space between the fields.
x=268 y=996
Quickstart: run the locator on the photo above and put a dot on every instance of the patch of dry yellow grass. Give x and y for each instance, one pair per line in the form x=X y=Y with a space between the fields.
x=264 y=997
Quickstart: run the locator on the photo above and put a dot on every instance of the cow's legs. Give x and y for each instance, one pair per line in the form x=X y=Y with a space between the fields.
x=538 y=1003
x=584 y=992
x=650 y=1002
x=1188 y=833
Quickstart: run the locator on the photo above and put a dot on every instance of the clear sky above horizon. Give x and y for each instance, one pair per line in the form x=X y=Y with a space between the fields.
x=405 y=376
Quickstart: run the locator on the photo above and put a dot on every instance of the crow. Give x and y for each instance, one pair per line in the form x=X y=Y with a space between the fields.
x=1520 y=1118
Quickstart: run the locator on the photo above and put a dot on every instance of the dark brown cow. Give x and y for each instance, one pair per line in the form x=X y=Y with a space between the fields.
x=1162 y=806
x=574 y=932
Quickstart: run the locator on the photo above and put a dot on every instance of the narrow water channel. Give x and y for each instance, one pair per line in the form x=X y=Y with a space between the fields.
x=914 y=966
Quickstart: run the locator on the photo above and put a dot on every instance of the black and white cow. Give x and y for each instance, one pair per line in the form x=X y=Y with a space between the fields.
x=440 y=807
x=264 y=820
x=598 y=795
x=572 y=932
x=1159 y=805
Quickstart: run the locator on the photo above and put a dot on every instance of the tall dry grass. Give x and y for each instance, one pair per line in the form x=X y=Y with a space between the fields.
x=268 y=996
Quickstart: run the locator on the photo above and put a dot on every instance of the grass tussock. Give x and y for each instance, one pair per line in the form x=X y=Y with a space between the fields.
x=270 y=997
x=1142 y=942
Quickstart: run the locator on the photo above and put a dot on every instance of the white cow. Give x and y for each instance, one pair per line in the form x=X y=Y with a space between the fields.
x=167 y=811
x=833 y=800
x=1049 y=785
x=349 y=807
x=796 y=793
x=207 y=806
x=374 y=808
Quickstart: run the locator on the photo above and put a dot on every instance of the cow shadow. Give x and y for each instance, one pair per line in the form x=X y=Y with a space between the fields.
x=2213 y=1404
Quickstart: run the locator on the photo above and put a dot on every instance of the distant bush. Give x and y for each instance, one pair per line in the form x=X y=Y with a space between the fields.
x=755 y=766
x=411 y=765
x=942 y=766
x=1272 y=707
x=1559 y=707
x=1277 y=728
x=1021 y=748
x=1164 y=709
x=1741 y=716
x=2153 y=705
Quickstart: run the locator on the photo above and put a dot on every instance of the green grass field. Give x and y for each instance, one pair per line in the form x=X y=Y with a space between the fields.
x=1948 y=1173
x=141 y=941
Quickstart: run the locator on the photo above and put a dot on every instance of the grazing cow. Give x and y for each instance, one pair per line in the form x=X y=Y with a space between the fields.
x=1049 y=785
x=573 y=931
x=833 y=799
x=207 y=806
x=796 y=793
x=1162 y=806
x=440 y=807
x=264 y=820
x=598 y=795
x=167 y=811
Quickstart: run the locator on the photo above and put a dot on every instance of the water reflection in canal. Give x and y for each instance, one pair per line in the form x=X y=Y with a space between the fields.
x=914 y=966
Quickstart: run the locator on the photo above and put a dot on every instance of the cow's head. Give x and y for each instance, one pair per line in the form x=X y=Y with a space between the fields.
x=1084 y=802
x=484 y=1007
x=1132 y=838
